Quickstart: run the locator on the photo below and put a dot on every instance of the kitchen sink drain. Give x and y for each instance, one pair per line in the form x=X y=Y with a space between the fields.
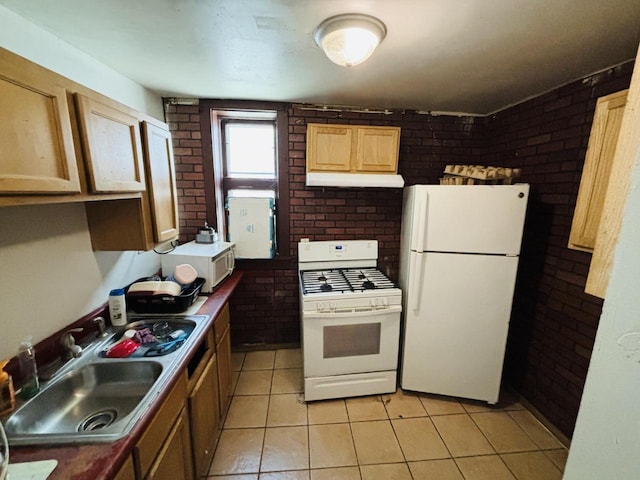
x=97 y=421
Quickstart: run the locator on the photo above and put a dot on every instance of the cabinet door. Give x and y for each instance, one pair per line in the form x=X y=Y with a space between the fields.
x=377 y=149
x=597 y=169
x=152 y=440
x=126 y=472
x=329 y=148
x=223 y=352
x=111 y=145
x=204 y=412
x=626 y=157
x=37 y=153
x=161 y=183
x=174 y=460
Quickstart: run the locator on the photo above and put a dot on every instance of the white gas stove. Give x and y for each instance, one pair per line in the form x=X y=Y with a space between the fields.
x=350 y=313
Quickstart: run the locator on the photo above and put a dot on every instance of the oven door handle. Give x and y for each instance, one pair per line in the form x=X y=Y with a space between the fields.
x=354 y=313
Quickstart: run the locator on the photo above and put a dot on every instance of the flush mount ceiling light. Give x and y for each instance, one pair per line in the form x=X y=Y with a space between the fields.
x=349 y=39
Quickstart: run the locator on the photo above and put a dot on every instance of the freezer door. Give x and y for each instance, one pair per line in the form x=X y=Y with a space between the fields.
x=467 y=218
x=456 y=322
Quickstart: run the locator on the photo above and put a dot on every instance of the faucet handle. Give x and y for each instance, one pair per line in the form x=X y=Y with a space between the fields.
x=102 y=330
x=71 y=350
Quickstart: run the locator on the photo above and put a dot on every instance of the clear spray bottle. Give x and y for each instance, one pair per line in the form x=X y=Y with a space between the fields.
x=28 y=369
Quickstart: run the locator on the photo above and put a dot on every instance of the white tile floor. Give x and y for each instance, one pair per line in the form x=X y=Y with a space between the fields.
x=270 y=433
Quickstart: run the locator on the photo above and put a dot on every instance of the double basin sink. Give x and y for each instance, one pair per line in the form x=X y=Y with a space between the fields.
x=95 y=398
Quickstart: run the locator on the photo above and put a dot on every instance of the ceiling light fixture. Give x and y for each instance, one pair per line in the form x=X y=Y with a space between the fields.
x=349 y=39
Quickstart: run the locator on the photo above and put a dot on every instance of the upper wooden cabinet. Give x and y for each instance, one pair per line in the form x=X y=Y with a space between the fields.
x=111 y=145
x=161 y=181
x=141 y=223
x=352 y=148
x=607 y=121
x=377 y=149
x=37 y=154
x=625 y=158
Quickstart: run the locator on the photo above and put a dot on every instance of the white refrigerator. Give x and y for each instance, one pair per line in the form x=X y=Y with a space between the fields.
x=460 y=246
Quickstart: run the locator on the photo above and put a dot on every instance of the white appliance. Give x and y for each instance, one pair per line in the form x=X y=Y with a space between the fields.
x=350 y=314
x=213 y=261
x=251 y=226
x=459 y=258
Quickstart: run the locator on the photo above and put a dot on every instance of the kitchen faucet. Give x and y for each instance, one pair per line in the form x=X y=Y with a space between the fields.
x=102 y=329
x=68 y=342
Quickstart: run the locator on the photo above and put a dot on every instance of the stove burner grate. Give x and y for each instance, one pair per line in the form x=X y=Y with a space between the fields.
x=344 y=280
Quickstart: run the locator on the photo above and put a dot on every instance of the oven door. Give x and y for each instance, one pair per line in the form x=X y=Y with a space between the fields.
x=350 y=341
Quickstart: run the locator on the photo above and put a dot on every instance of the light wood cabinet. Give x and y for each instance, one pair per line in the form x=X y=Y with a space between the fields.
x=126 y=472
x=222 y=330
x=625 y=159
x=174 y=459
x=603 y=139
x=141 y=223
x=37 y=153
x=111 y=145
x=352 y=148
x=377 y=149
x=161 y=181
x=204 y=410
x=152 y=455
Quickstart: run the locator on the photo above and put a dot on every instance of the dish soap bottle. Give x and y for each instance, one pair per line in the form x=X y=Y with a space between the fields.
x=7 y=394
x=28 y=369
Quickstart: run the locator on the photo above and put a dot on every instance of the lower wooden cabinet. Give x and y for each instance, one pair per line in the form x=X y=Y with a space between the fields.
x=223 y=351
x=204 y=413
x=174 y=460
x=126 y=472
x=167 y=428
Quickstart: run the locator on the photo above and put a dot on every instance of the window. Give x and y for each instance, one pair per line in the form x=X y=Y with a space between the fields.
x=246 y=162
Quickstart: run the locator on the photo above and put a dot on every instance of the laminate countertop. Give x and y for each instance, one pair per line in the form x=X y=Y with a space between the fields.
x=101 y=461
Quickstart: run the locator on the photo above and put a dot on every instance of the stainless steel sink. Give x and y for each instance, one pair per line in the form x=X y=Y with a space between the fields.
x=92 y=400
x=97 y=399
x=167 y=334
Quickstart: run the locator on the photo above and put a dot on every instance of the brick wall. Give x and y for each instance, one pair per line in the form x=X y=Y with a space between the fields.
x=265 y=305
x=554 y=322
x=184 y=123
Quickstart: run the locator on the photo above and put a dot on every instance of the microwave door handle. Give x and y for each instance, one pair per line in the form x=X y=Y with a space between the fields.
x=231 y=261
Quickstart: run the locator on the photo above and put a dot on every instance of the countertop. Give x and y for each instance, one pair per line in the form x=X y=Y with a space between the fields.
x=101 y=461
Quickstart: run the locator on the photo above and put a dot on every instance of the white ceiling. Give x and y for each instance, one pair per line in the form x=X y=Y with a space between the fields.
x=470 y=56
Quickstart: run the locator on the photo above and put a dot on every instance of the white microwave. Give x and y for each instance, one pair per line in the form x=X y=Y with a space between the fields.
x=213 y=261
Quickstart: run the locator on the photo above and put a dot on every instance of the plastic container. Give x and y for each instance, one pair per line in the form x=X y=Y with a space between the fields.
x=7 y=394
x=117 y=307
x=147 y=303
x=183 y=274
x=28 y=369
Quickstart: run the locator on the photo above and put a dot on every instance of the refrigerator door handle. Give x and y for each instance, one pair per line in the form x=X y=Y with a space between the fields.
x=415 y=279
x=421 y=227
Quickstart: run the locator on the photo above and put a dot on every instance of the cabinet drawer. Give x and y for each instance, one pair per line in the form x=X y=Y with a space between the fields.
x=153 y=438
x=221 y=322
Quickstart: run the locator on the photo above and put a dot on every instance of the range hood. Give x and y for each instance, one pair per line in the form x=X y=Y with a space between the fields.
x=315 y=179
